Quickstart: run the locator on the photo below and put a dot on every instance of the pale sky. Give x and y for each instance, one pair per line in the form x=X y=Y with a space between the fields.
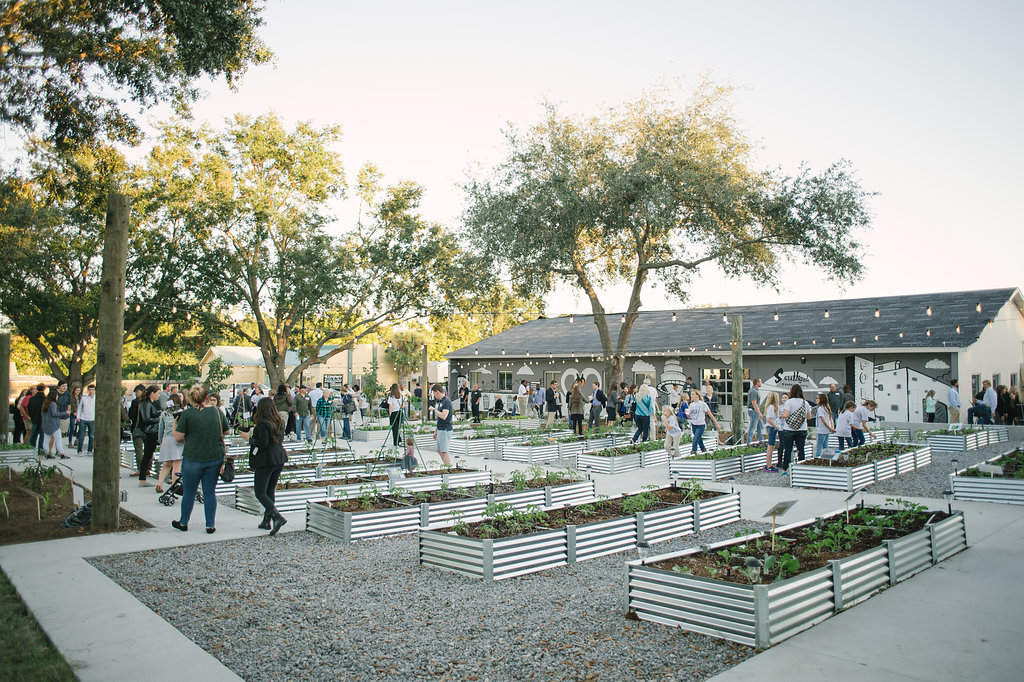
x=925 y=99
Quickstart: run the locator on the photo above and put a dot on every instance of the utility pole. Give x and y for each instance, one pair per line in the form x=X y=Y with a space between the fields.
x=737 y=379
x=426 y=386
x=105 y=480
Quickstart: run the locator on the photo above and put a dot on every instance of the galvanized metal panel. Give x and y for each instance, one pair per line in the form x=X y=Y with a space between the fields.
x=573 y=493
x=983 y=489
x=664 y=524
x=864 y=574
x=605 y=537
x=608 y=465
x=950 y=536
x=719 y=511
x=911 y=554
x=884 y=469
x=705 y=469
x=529 y=453
x=811 y=476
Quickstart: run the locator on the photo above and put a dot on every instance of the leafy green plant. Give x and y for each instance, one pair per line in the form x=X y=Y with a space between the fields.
x=642 y=501
x=692 y=490
x=460 y=526
x=519 y=480
x=368 y=497
x=587 y=510
x=47 y=502
x=34 y=474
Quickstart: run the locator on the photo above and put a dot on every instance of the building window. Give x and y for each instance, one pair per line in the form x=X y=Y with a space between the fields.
x=721 y=381
x=639 y=377
x=549 y=377
x=1013 y=379
x=997 y=379
x=975 y=384
x=504 y=381
x=475 y=378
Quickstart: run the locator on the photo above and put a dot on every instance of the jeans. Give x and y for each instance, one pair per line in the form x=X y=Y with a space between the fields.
x=787 y=440
x=773 y=433
x=302 y=424
x=85 y=427
x=346 y=431
x=643 y=427
x=845 y=442
x=858 y=437
x=72 y=432
x=755 y=422
x=576 y=423
x=193 y=474
x=37 y=435
x=698 y=438
x=265 y=483
x=821 y=444
x=322 y=422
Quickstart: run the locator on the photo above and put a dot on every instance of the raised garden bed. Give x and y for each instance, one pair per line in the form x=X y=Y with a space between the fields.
x=623 y=458
x=759 y=605
x=496 y=558
x=988 y=486
x=722 y=463
x=356 y=469
x=966 y=439
x=524 y=423
x=408 y=513
x=858 y=467
x=288 y=499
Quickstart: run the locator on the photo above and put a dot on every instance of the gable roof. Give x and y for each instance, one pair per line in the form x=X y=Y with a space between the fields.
x=940 y=320
x=248 y=356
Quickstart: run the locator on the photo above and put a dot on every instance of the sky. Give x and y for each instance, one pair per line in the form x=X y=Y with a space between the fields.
x=924 y=98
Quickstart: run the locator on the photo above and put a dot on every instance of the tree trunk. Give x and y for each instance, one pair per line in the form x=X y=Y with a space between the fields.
x=5 y=381
x=613 y=370
x=105 y=479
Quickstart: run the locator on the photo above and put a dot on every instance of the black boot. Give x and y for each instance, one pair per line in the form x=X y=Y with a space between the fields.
x=278 y=522
x=265 y=524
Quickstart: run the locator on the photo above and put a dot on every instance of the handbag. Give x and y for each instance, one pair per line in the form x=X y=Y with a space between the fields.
x=227 y=470
x=797 y=418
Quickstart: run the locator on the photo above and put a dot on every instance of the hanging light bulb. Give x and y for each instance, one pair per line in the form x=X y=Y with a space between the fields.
x=623 y=318
x=571 y=319
x=928 y=332
x=174 y=309
x=876 y=337
x=928 y=311
x=137 y=307
x=502 y=351
x=673 y=317
x=901 y=335
x=855 y=339
x=476 y=351
x=878 y=313
x=958 y=329
x=978 y=307
x=776 y=315
x=827 y=314
x=188 y=316
x=725 y=318
x=833 y=339
x=814 y=342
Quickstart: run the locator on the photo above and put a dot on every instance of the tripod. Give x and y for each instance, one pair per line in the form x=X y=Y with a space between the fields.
x=330 y=438
x=403 y=432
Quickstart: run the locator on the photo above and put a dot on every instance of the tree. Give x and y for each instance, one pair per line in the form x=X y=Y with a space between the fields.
x=216 y=374
x=477 y=316
x=405 y=353
x=51 y=235
x=256 y=196
x=65 y=67
x=647 y=193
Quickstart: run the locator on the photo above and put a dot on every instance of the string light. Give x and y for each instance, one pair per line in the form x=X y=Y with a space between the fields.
x=878 y=313
x=928 y=332
x=623 y=318
x=978 y=307
x=814 y=342
x=958 y=329
x=776 y=315
x=876 y=337
x=571 y=319
x=928 y=311
x=855 y=339
x=673 y=317
x=901 y=335
x=833 y=339
x=827 y=314
x=725 y=318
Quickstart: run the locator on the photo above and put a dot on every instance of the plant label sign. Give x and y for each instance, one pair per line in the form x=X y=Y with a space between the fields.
x=779 y=509
x=77 y=495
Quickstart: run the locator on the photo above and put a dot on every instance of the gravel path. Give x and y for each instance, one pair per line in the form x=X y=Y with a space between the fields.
x=929 y=481
x=302 y=607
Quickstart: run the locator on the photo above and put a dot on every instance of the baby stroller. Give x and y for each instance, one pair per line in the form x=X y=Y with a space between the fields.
x=498 y=409
x=176 y=490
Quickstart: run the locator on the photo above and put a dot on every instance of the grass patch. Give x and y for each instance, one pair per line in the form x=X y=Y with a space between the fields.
x=25 y=651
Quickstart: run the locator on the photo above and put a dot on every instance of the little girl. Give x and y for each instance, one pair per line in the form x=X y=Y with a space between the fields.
x=409 y=461
x=843 y=425
x=673 y=434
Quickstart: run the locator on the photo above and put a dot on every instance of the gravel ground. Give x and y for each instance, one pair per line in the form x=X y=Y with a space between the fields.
x=929 y=481
x=301 y=607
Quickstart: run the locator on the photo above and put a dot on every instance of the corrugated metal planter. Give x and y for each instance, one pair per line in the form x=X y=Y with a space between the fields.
x=527 y=424
x=531 y=454
x=295 y=500
x=853 y=478
x=350 y=526
x=497 y=559
x=987 y=488
x=763 y=615
x=959 y=442
x=599 y=464
x=714 y=469
x=876 y=436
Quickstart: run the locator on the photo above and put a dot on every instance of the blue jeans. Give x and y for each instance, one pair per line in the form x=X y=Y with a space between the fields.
x=787 y=439
x=858 y=437
x=755 y=423
x=347 y=429
x=322 y=421
x=698 y=438
x=845 y=442
x=643 y=427
x=193 y=474
x=37 y=435
x=822 y=443
x=72 y=432
x=85 y=427
x=303 y=423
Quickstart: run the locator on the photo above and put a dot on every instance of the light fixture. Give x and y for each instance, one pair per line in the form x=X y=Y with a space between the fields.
x=827 y=314
x=673 y=317
x=855 y=339
x=623 y=319
x=876 y=337
x=174 y=309
x=928 y=311
x=978 y=307
x=958 y=329
x=928 y=332
x=776 y=315
x=476 y=351
x=137 y=307
x=833 y=339
x=901 y=335
x=878 y=313
x=814 y=342
x=725 y=318
x=502 y=351
x=571 y=319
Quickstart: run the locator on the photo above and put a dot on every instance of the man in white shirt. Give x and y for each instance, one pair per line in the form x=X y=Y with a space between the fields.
x=673 y=396
x=521 y=397
x=989 y=400
x=86 y=416
x=953 y=402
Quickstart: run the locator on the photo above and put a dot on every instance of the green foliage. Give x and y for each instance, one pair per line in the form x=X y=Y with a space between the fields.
x=36 y=473
x=692 y=490
x=642 y=501
x=648 y=191
x=406 y=353
x=368 y=497
x=68 y=68
x=216 y=374
x=519 y=480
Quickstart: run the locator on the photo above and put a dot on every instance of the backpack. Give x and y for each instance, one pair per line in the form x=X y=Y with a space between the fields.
x=348 y=404
x=797 y=417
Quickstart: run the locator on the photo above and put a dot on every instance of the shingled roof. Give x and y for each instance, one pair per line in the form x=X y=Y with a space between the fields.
x=940 y=320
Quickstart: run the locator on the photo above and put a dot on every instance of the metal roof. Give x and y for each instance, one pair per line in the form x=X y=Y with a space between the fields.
x=923 y=321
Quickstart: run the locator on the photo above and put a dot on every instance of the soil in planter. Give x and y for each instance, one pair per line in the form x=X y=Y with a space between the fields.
x=805 y=549
x=732 y=452
x=646 y=446
x=23 y=524
x=501 y=521
x=864 y=454
x=1012 y=464
x=241 y=466
x=304 y=485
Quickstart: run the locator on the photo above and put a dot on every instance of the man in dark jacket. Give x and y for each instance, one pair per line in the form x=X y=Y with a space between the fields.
x=475 y=399
x=597 y=403
x=35 y=413
x=138 y=437
x=550 y=397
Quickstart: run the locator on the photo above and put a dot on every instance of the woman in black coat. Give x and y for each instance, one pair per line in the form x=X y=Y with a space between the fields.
x=149 y=425
x=266 y=459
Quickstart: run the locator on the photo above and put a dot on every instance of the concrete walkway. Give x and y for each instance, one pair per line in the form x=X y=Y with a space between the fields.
x=961 y=618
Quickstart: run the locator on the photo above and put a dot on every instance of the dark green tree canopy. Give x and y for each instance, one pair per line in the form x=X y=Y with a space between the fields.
x=68 y=66
x=653 y=191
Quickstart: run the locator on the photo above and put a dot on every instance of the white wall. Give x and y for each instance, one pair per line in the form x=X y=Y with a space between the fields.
x=999 y=349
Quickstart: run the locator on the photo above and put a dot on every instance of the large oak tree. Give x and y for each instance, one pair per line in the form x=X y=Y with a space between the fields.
x=650 y=192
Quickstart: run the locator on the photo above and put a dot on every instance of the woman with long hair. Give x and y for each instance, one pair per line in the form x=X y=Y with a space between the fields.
x=576 y=410
x=19 y=422
x=395 y=401
x=770 y=410
x=697 y=413
x=76 y=395
x=794 y=414
x=266 y=459
x=51 y=416
x=824 y=424
x=170 y=449
x=201 y=428
x=929 y=406
x=643 y=408
x=149 y=423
